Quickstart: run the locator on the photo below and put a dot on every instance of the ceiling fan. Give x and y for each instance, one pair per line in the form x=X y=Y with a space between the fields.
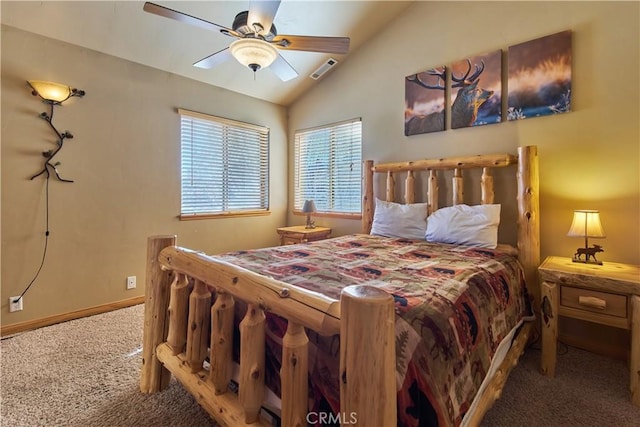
x=257 y=41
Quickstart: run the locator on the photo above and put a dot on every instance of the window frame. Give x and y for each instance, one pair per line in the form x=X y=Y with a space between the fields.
x=298 y=198
x=263 y=136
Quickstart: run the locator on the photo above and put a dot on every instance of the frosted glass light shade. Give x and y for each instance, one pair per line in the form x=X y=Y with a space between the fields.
x=586 y=223
x=51 y=92
x=253 y=53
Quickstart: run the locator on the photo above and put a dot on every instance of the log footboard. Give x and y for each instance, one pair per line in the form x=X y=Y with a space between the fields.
x=182 y=327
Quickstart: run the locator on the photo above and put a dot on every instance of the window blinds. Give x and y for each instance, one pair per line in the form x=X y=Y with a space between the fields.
x=328 y=167
x=224 y=165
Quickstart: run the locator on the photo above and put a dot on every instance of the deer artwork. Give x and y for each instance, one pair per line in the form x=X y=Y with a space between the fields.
x=464 y=109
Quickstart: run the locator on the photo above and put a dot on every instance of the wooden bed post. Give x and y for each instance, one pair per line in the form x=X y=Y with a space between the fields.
x=410 y=188
x=221 y=352
x=432 y=192
x=486 y=186
x=153 y=376
x=367 y=357
x=294 y=376
x=178 y=314
x=457 y=187
x=529 y=219
x=391 y=187
x=367 y=196
x=198 y=332
x=252 y=359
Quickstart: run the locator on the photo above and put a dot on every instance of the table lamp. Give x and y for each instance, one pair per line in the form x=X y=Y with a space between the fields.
x=586 y=223
x=309 y=208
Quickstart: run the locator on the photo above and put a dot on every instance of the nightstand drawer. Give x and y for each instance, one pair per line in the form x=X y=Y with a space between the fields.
x=292 y=240
x=594 y=301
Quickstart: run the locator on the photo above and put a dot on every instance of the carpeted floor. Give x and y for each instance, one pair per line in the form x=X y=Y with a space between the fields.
x=589 y=391
x=86 y=372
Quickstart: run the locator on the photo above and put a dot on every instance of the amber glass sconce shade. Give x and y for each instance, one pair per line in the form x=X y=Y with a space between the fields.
x=53 y=93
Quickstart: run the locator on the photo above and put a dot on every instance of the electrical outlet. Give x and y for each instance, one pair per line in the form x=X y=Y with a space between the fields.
x=131 y=282
x=15 y=306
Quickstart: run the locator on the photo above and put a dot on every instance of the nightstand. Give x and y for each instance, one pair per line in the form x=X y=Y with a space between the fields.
x=608 y=294
x=300 y=234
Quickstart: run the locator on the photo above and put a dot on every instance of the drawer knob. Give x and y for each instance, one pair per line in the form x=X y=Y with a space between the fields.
x=592 y=302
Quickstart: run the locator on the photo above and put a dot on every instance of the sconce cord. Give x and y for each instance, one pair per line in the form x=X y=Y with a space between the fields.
x=49 y=155
x=46 y=241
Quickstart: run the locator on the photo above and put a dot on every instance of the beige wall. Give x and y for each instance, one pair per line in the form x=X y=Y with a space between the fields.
x=125 y=163
x=125 y=154
x=589 y=158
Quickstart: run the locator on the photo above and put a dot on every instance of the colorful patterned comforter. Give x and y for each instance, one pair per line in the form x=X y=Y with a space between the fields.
x=454 y=306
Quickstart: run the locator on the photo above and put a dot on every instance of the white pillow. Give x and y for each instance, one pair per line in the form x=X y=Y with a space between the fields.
x=465 y=225
x=398 y=220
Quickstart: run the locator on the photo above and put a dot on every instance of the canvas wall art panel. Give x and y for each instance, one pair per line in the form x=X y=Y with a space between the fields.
x=539 y=79
x=476 y=90
x=424 y=101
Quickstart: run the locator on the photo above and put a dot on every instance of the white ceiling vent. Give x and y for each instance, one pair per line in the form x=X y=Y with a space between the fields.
x=329 y=64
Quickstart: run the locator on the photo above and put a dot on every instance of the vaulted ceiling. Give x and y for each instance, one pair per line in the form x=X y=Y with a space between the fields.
x=124 y=30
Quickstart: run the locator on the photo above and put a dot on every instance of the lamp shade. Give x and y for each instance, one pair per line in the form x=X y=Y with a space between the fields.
x=586 y=223
x=309 y=206
x=253 y=53
x=51 y=92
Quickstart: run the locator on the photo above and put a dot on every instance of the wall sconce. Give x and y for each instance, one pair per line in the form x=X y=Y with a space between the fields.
x=586 y=223
x=309 y=208
x=53 y=94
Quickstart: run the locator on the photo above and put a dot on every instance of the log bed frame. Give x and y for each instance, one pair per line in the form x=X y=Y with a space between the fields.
x=180 y=319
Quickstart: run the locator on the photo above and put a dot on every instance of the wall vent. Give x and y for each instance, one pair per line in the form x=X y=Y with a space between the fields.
x=329 y=64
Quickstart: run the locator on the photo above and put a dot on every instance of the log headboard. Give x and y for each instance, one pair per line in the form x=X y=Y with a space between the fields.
x=526 y=176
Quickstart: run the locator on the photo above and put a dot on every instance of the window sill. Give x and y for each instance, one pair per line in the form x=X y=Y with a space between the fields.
x=234 y=214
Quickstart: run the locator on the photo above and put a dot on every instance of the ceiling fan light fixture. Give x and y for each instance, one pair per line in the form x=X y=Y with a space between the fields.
x=253 y=53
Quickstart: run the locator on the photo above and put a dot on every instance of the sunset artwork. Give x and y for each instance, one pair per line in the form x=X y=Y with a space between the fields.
x=539 y=82
x=476 y=90
x=424 y=102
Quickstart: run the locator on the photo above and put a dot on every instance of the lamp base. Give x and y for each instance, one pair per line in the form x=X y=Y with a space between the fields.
x=310 y=224
x=582 y=261
x=589 y=255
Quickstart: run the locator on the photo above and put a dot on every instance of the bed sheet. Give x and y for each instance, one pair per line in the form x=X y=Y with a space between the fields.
x=454 y=305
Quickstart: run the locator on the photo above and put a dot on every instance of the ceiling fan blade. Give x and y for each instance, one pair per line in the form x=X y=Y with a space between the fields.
x=262 y=12
x=214 y=59
x=283 y=69
x=156 y=9
x=313 y=44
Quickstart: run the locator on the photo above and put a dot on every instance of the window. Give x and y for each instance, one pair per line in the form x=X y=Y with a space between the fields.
x=327 y=167
x=224 y=166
